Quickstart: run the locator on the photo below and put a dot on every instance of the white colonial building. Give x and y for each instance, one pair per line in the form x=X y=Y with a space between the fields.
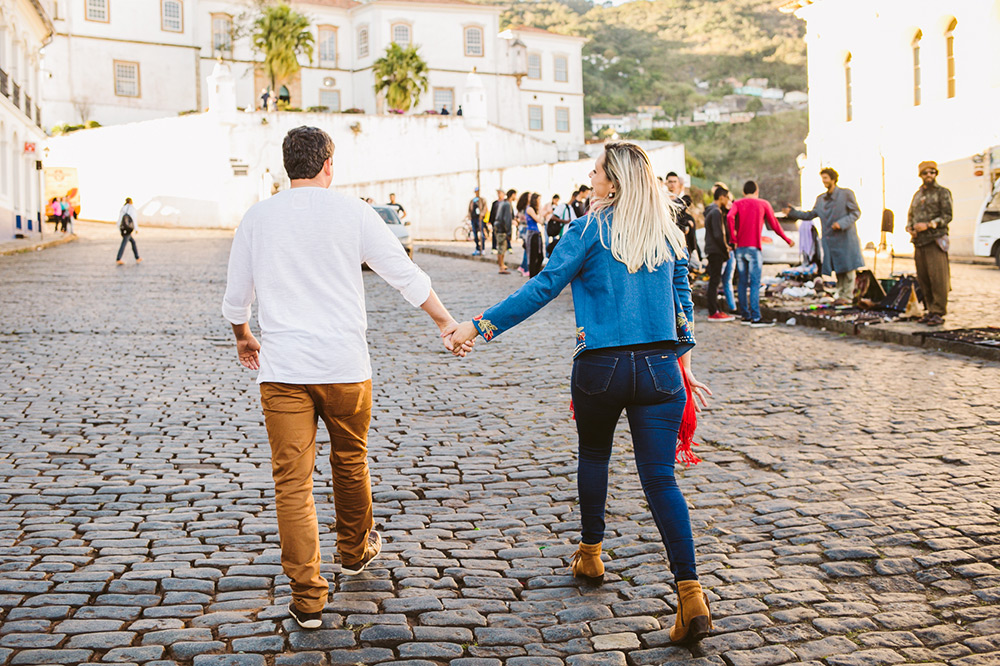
x=893 y=83
x=119 y=61
x=25 y=27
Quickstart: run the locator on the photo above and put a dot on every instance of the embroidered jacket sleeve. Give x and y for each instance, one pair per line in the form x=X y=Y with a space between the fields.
x=564 y=265
x=684 y=306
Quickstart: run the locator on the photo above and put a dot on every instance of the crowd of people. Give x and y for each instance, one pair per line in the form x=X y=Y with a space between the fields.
x=61 y=213
x=734 y=233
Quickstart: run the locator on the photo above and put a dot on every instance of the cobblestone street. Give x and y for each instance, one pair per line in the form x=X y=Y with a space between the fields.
x=845 y=514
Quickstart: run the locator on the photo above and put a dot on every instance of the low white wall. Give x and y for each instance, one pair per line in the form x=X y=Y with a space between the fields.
x=182 y=171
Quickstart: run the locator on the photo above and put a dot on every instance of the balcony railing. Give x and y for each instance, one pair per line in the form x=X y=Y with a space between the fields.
x=4 y=84
x=38 y=116
x=16 y=95
x=27 y=105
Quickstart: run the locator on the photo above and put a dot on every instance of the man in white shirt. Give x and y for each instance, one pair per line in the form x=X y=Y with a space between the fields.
x=299 y=253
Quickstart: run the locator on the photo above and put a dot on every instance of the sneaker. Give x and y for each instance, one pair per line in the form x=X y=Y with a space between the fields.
x=760 y=323
x=138 y=260
x=305 y=620
x=745 y=322
x=721 y=316
x=476 y=253
x=373 y=548
x=120 y=262
x=934 y=320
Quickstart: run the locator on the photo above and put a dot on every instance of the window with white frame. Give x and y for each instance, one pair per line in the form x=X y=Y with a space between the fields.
x=327 y=46
x=473 y=41
x=126 y=79
x=534 y=65
x=444 y=98
x=330 y=99
x=561 y=70
x=401 y=34
x=363 y=42
x=562 y=119
x=534 y=117
x=172 y=15
x=916 y=67
x=222 y=34
x=97 y=10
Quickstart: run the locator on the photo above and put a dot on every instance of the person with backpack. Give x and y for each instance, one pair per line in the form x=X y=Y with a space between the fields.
x=561 y=216
x=128 y=229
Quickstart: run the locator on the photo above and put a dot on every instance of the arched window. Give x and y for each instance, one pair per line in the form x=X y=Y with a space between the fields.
x=473 y=41
x=916 y=67
x=401 y=34
x=363 y=42
x=949 y=50
x=848 y=89
x=284 y=95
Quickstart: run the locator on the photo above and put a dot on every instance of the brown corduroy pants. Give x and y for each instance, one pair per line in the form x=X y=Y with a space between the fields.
x=291 y=413
x=934 y=276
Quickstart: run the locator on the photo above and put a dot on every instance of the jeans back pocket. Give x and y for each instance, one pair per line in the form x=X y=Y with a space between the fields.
x=666 y=373
x=592 y=374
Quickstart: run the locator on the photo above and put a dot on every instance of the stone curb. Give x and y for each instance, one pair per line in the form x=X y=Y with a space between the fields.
x=32 y=247
x=870 y=333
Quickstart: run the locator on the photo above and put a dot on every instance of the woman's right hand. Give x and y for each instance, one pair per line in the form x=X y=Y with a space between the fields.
x=700 y=391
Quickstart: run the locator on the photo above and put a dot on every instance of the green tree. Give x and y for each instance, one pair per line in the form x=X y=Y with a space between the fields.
x=282 y=35
x=402 y=75
x=755 y=105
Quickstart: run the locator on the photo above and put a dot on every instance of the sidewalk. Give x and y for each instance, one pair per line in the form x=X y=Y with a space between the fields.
x=34 y=244
x=972 y=304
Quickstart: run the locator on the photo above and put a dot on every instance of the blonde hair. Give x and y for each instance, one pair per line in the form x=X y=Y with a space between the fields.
x=643 y=231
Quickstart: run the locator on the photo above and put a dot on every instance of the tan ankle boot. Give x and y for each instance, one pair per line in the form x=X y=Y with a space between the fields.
x=694 y=619
x=587 y=563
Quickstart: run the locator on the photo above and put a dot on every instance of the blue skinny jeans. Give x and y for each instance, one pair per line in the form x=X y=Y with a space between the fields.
x=750 y=265
x=647 y=384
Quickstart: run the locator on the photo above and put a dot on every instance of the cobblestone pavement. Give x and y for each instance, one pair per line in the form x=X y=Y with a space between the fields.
x=845 y=513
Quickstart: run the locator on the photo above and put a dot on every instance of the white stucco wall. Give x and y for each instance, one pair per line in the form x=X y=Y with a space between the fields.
x=886 y=125
x=181 y=170
x=173 y=65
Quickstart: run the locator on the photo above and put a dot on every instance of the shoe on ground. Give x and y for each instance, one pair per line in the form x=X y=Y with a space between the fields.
x=372 y=549
x=694 y=617
x=305 y=620
x=721 y=316
x=476 y=253
x=587 y=564
x=138 y=260
x=745 y=322
x=934 y=320
x=120 y=262
x=760 y=323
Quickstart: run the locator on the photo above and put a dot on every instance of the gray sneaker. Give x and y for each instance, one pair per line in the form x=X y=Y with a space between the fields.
x=372 y=550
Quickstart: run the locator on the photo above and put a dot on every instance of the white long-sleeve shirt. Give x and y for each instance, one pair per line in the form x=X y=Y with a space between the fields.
x=300 y=253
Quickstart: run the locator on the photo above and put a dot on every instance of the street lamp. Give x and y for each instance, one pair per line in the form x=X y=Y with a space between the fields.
x=474 y=111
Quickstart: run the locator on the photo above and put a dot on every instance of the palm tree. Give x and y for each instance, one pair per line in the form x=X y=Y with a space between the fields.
x=402 y=74
x=281 y=35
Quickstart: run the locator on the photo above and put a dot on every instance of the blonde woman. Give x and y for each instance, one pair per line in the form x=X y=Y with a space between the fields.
x=627 y=263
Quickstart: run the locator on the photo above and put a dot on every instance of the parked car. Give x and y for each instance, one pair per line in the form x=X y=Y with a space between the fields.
x=398 y=227
x=986 y=239
x=774 y=250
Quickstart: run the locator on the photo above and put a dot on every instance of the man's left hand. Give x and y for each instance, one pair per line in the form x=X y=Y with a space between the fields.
x=836 y=226
x=921 y=226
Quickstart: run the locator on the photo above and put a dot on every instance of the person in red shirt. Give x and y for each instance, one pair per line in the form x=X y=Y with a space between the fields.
x=746 y=224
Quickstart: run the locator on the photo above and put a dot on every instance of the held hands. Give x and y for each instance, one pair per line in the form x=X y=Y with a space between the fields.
x=699 y=390
x=457 y=338
x=786 y=210
x=247 y=349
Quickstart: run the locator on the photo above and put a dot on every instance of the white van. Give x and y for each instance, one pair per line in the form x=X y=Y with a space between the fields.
x=986 y=240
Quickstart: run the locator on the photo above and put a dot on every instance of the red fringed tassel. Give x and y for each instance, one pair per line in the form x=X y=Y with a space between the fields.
x=689 y=423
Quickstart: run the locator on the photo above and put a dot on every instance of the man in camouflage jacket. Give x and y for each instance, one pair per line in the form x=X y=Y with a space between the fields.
x=927 y=222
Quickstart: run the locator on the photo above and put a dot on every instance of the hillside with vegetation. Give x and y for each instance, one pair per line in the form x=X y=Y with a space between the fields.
x=651 y=52
x=655 y=52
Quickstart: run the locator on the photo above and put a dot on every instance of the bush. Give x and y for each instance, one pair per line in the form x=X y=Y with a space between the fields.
x=660 y=134
x=353 y=110
x=318 y=109
x=67 y=128
x=188 y=112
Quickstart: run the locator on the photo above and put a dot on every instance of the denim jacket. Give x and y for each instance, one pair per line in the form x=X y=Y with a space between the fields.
x=613 y=307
